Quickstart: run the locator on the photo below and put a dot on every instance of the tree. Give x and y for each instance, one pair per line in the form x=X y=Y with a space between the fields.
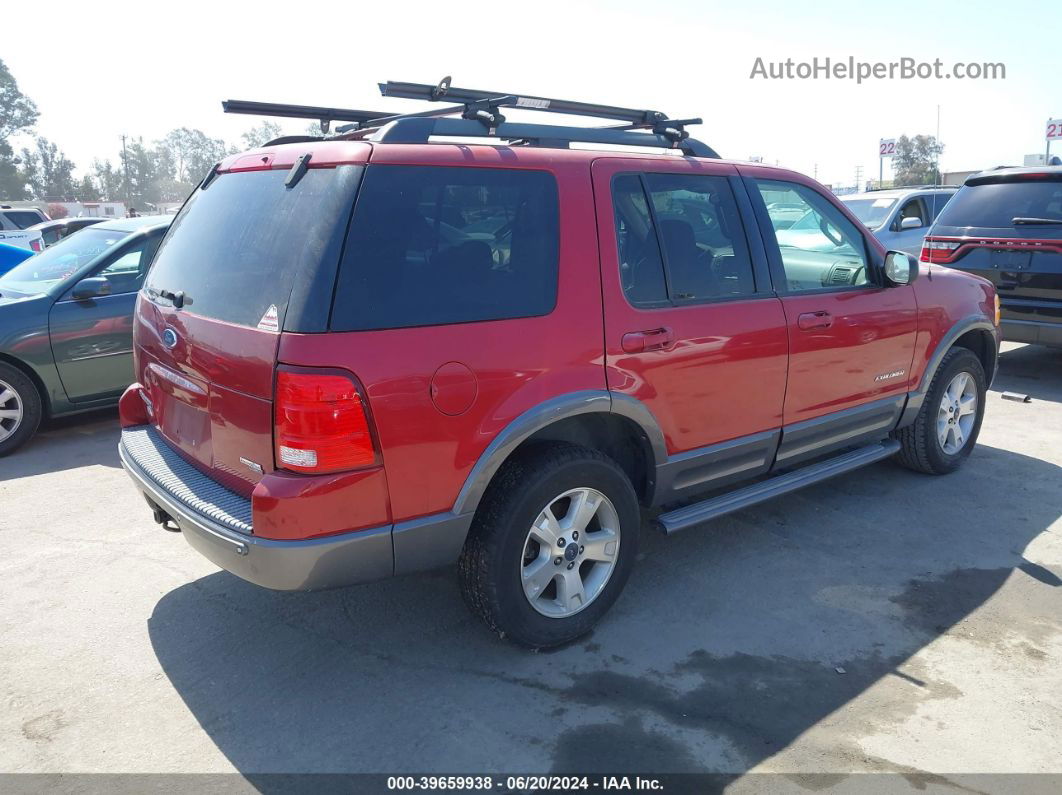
x=260 y=135
x=12 y=181
x=108 y=180
x=916 y=160
x=57 y=211
x=47 y=171
x=141 y=174
x=17 y=113
x=87 y=191
x=189 y=154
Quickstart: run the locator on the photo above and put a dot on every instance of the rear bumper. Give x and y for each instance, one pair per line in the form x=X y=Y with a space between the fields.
x=1033 y=332
x=216 y=523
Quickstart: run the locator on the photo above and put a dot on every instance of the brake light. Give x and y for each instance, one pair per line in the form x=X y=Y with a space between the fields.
x=35 y=245
x=939 y=250
x=321 y=423
x=996 y=320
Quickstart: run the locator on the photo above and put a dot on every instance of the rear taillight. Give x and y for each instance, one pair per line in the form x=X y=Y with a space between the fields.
x=321 y=423
x=36 y=245
x=939 y=250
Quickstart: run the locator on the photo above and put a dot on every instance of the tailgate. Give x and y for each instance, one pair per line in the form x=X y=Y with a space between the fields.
x=249 y=254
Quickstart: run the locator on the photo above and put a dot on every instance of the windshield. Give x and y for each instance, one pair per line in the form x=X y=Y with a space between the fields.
x=43 y=271
x=872 y=212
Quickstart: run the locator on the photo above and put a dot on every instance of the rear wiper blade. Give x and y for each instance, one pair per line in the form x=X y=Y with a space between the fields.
x=1038 y=221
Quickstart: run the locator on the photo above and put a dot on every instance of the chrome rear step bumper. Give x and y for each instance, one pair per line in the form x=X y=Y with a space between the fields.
x=207 y=515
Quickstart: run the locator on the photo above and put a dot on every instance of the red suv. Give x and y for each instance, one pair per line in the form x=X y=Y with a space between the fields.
x=379 y=354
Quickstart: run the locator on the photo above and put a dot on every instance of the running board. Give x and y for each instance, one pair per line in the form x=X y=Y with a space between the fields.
x=673 y=521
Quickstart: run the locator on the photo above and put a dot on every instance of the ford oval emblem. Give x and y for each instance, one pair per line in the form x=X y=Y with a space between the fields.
x=169 y=338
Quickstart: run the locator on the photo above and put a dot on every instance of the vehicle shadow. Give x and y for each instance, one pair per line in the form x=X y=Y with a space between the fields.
x=67 y=443
x=729 y=642
x=1034 y=370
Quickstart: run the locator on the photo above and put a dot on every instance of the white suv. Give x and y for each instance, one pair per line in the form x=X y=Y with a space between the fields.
x=13 y=227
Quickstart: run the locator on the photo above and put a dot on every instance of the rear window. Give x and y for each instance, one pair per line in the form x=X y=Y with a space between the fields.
x=237 y=248
x=437 y=245
x=996 y=205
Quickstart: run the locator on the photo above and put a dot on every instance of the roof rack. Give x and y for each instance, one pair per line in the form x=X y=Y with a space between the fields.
x=480 y=116
x=324 y=115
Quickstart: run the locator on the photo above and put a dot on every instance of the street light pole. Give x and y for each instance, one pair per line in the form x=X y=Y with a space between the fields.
x=125 y=173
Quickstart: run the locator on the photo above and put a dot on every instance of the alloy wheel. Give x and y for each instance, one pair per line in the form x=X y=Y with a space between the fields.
x=570 y=552
x=10 y=410
x=957 y=413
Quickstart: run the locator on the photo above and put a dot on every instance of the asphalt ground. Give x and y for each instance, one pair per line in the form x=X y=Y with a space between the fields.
x=881 y=622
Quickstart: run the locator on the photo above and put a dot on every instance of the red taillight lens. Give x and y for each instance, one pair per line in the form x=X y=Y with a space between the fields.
x=321 y=423
x=939 y=250
x=35 y=245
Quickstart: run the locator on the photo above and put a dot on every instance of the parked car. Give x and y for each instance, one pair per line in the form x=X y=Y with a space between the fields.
x=900 y=218
x=10 y=256
x=20 y=217
x=784 y=214
x=329 y=391
x=54 y=231
x=14 y=227
x=66 y=318
x=1006 y=226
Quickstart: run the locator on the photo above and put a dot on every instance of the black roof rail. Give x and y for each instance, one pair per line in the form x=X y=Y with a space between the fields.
x=420 y=130
x=480 y=116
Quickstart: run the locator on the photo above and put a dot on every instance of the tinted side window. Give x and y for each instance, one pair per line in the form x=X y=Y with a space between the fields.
x=640 y=264
x=23 y=219
x=436 y=245
x=705 y=251
x=822 y=250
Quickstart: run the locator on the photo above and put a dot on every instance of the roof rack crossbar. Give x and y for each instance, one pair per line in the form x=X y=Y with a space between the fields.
x=323 y=115
x=445 y=91
x=421 y=129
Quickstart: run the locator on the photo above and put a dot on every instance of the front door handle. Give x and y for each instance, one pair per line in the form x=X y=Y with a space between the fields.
x=656 y=339
x=810 y=320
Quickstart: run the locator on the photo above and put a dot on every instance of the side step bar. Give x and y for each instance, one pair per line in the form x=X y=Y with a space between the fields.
x=680 y=519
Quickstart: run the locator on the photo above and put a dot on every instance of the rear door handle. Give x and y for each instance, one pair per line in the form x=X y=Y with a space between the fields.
x=656 y=339
x=810 y=320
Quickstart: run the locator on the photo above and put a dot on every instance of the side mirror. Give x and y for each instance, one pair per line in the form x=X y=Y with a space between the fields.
x=911 y=223
x=900 y=268
x=92 y=287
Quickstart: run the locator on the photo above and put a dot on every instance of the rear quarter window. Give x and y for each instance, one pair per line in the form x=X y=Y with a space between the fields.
x=439 y=245
x=996 y=205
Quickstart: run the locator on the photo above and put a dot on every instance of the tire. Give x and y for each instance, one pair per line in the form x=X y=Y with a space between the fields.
x=921 y=447
x=503 y=550
x=17 y=394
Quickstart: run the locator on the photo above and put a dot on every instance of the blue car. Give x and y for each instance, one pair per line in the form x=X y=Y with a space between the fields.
x=10 y=256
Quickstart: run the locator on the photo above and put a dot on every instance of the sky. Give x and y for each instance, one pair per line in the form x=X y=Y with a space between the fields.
x=99 y=71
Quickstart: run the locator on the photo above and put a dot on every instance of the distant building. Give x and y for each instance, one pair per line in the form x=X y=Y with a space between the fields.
x=100 y=209
x=957 y=177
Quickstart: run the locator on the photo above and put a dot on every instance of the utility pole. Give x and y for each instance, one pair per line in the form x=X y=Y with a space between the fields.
x=125 y=174
x=859 y=177
x=816 y=172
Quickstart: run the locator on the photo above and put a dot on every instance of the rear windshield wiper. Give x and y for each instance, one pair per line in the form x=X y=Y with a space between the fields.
x=1037 y=221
